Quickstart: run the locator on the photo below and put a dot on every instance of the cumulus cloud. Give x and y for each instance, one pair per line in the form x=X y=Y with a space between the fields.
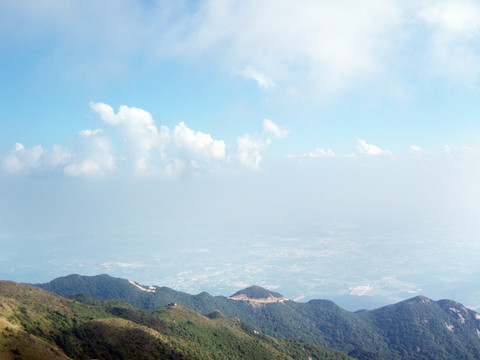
x=182 y=148
x=140 y=135
x=415 y=149
x=370 y=149
x=249 y=149
x=318 y=153
x=154 y=149
x=198 y=144
x=274 y=129
x=92 y=156
x=23 y=160
x=143 y=147
x=263 y=81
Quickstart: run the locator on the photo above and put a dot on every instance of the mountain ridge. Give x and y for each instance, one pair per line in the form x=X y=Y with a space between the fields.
x=38 y=325
x=417 y=328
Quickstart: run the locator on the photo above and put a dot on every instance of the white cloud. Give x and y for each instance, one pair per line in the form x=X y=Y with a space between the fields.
x=249 y=149
x=370 y=149
x=270 y=126
x=133 y=265
x=447 y=150
x=415 y=149
x=262 y=80
x=198 y=144
x=140 y=135
x=56 y=157
x=106 y=113
x=459 y=16
x=459 y=151
x=155 y=149
x=92 y=155
x=330 y=46
x=452 y=39
x=318 y=153
x=470 y=150
x=22 y=160
x=175 y=167
x=322 y=48
x=151 y=150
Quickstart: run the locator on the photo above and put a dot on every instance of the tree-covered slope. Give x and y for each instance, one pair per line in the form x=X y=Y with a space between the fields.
x=38 y=325
x=418 y=328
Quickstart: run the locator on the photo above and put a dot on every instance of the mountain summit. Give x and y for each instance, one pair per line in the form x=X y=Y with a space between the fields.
x=256 y=296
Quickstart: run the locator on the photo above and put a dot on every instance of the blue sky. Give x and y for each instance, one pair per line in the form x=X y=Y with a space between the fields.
x=392 y=73
x=119 y=116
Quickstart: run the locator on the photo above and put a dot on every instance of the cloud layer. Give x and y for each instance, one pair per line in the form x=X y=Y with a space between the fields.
x=132 y=143
x=315 y=45
x=143 y=148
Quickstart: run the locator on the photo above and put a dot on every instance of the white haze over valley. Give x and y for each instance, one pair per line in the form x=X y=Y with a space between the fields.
x=370 y=225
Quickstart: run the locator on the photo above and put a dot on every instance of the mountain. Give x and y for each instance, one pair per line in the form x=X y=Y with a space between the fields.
x=257 y=293
x=257 y=296
x=38 y=325
x=418 y=328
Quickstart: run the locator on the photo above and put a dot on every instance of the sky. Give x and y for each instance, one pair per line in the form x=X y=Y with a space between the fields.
x=128 y=122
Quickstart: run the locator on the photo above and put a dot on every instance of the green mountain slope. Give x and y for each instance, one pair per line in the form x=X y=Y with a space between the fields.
x=38 y=325
x=418 y=328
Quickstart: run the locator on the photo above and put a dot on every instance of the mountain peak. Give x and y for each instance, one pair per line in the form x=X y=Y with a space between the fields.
x=256 y=295
x=421 y=299
x=257 y=292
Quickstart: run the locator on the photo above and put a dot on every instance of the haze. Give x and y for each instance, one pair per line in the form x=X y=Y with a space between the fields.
x=322 y=150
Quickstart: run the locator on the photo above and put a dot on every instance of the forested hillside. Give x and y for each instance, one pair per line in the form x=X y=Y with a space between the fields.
x=418 y=328
x=38 y=325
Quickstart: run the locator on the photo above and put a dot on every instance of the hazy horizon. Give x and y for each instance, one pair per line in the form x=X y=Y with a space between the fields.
x=318 y=149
